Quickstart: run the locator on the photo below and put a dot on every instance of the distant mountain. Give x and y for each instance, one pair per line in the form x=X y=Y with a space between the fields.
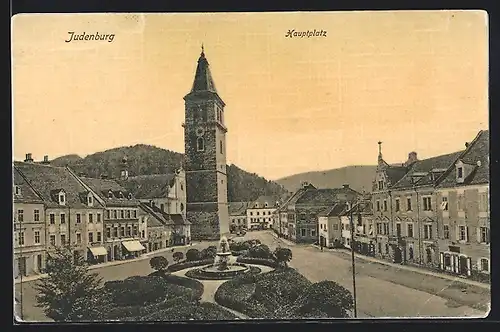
x=147 y=159
x=359 y=178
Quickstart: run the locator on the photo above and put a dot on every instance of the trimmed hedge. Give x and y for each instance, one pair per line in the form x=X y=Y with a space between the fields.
x=187 y=264
x=259 y=261
x=196 y=286
x=197 y=274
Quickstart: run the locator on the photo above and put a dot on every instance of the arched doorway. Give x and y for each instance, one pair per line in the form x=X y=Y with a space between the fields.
x=398 y=256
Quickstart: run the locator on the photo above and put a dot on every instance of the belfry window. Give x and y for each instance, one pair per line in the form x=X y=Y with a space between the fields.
x=200 y=144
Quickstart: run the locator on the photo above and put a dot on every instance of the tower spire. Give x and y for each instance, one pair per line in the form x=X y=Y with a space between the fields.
x=379 y=150
x=202 y=50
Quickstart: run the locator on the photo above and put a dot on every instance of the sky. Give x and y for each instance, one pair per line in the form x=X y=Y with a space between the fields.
x=417 y=81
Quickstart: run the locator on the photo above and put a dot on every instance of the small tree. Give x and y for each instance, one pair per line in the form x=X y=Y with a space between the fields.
x=158 y=263
x=208 y=253
x=178 y=256
x=192 y=255
x=260 y=251
x=325 y=299
x=69 y=292
x=282 y=256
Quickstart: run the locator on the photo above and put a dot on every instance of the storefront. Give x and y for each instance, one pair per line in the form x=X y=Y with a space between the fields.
x=455 y=262
x=133 y=249
x=97 y=255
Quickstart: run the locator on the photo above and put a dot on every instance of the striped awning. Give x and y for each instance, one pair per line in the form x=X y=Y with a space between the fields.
x=98 y=251
x=133 y=245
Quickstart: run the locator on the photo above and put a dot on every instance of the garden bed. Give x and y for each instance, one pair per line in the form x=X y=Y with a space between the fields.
x=188 y=264
x=198 y=274
x=258 y=261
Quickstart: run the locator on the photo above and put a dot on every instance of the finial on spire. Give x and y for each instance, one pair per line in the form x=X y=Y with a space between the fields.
x=202 y=49
x=379 y=149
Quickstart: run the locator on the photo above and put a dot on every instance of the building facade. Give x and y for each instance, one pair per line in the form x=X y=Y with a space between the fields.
x=464 y=213
x=260 y=213
x=29 y=229
x=330 y=226
x=238 y=215
x=122 y=238
x=72 y=212
x=159 y=230
x=205 y=157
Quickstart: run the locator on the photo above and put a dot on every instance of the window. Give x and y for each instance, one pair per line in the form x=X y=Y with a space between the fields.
x=484 y=235
x=483 y=202
x=52 y=218
x=485 y=264
x=251 y=213
x=446 y=232
x=63 y=218
x=135 y=230
x=427 y=231
x=129 y=230
x=37 y=237
x=63 y=239
x=98 y=217
x=427 y=203
x=397 y=205
x=98 y=236
x=36 y=215
x=200 y=144
x=380 y=248
x=90 y=200
x=385 y=205
x=162 y=207
x=380 y=185
x=129 y=196
x=410 y=253
x=460 y=172
x=91 y=218
x=182 y=186
x=135 y=214
x=18 y=190
x=398 y=229
x=444 y=203
x=108 y=232
x=378 y=205
x=20 y=215
x=408 y=204
x=302 y=232
x=122 y=231
x=62 y=198
x=409 y=230
x=221 y=147
x=142 y=234
x=91 y=237
x=386 y=228
x=52 y=239
x=115 y=232
x=182 y=207
x=386 y=249
x=462 y=233
x=20 y=239
x=122 y=214
x=115 y=214
x=110 y=194
x=78 y=238
x=313 y=232
x=78 y=218
x=128 y=214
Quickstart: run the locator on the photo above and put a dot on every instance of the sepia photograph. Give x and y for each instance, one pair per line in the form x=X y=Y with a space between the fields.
x=250 y=166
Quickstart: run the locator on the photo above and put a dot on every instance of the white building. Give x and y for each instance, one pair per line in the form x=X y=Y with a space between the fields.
x=260 y=213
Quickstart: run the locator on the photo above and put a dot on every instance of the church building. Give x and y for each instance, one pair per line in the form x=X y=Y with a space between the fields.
x=205 y=157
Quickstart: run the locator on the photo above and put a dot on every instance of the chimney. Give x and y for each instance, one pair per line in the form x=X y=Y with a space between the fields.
x=466 y=144
x=412 y=157
x=345 y=186
x=305 y=184
x=28 y=159
x=45 y=160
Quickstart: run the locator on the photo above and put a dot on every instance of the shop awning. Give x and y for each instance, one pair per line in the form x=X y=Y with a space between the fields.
x=98 y=251
x=133 y=246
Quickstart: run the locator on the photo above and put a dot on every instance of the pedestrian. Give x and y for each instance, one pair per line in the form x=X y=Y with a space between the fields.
x=321 y=248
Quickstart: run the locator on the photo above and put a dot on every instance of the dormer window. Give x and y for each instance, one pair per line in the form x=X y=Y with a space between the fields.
x=129 y=196
x=121 y=195
x=17 y=190
x=110 y=194
x=90 y=200
x=380 y=185
x=460 y=172
x=62 y=198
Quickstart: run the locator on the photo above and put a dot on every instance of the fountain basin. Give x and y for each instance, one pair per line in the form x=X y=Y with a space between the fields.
x=211 y=272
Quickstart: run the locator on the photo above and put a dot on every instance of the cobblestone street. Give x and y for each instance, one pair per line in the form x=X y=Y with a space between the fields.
x=376 y=296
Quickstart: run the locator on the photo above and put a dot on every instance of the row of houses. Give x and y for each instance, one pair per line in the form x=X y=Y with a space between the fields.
x=101 y=219
x=432 y=212
x=258 y=214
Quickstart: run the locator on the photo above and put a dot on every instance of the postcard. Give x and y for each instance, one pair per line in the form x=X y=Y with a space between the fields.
x=245 y=166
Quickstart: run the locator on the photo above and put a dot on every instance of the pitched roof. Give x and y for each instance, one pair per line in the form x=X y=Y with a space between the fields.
x=49 y=180
x=157 y=219
x=149 y=186
x=262 y=200
x=334 y=210
x=178 y=219
x=26 y=194
x=324 y=196
x=203 y=78
x=103 y=187
x=395 y=173
x=238 y=208
x=478 y=150
x=420 y=172
x=362 y=207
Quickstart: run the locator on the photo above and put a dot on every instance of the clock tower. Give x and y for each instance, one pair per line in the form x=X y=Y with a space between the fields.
x=205 y=157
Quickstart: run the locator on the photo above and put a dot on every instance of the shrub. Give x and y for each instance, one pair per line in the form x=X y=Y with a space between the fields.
x=283 y=256
x=187 y=264
x=208 y=253
x=260 y=251
x=192 y=255
x=286 y=285
x=259 y=261
x=158 y=263
x=178 y=256
x=196 y=286
x=239 y=246
x=225 y=297
x=326 y=299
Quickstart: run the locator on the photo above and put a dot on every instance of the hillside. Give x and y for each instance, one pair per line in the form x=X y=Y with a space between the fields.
x=147 y=159
x=358 y=177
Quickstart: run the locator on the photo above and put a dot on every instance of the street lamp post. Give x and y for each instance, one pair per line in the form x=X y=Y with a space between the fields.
x=353 y=263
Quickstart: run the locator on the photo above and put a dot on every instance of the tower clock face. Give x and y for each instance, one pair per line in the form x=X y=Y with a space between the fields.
x=200 y=131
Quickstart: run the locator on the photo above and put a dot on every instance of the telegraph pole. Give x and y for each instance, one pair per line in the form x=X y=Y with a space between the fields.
x=353 y=263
